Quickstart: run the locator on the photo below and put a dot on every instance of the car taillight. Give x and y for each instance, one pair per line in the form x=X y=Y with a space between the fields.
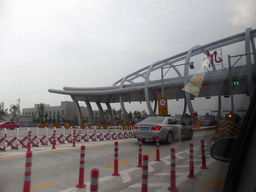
x=156 y=128
x=135 y=127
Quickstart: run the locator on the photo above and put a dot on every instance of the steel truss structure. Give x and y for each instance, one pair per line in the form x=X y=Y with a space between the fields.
x=128 y=90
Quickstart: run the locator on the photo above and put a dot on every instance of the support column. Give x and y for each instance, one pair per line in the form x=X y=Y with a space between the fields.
x=185 y=105
x=219 y=108
x=253 y=49
x=101 y=110
x=121 y=98
x=151 y=113
x=122 y=106
x=230 y=84
x=248 y=61
x=156 y=100
x=78 y=110
x=187 y=94
x=89 y=107
x=111 y=113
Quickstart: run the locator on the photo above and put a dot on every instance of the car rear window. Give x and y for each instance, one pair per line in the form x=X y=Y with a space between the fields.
x=153 y=120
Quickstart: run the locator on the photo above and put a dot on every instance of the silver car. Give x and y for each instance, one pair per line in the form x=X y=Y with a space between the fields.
x=167 y=128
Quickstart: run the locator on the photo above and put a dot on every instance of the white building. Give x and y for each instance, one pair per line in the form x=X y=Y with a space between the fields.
x=65 y=113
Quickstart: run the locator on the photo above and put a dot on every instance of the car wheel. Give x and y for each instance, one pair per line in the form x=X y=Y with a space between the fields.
x=169 y=138
x=190 y=136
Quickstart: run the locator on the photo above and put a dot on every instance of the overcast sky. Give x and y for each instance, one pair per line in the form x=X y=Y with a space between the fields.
x=55 y=43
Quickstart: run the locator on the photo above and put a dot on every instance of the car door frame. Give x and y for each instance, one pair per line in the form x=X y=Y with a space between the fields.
x=241 y=158
x=175 y=128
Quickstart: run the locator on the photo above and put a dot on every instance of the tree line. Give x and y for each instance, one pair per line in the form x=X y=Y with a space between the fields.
x=14 y=110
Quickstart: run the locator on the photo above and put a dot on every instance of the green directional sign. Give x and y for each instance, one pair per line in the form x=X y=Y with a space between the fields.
x=235 y=83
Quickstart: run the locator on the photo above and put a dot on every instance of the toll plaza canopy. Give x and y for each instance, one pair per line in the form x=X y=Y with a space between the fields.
x=215 y=81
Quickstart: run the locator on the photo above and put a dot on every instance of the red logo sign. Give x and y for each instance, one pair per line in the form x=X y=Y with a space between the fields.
x=217 y=60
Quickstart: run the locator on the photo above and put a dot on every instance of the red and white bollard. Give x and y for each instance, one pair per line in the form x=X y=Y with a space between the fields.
x=140 y=153
x=74 y=138
x=94 y=180
x=144 y=187
x=203 y=156
x=54 y=139
x=157 y=149
x=191 y=162
x=116 y=161
x=27 y=180
x=29 y=141
x=173 y=173
x=81 y=170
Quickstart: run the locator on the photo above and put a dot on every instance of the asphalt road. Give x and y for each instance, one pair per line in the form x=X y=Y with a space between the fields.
x=58 y=170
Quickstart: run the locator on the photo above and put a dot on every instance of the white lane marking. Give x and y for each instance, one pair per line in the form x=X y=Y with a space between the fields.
x=125 y=174
x=126 y=177
x=106 y=178
x=72 y=189
x=181 y=166
x=164 y=186
x=196 y=160
x=178 y=156
x=168 y=174
x=138 y=185
x=150 y=168
x=166 y=160
x=200 y=159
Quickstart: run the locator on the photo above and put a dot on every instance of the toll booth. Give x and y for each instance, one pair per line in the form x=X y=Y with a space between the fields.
x=188 y=119
x=208 y=120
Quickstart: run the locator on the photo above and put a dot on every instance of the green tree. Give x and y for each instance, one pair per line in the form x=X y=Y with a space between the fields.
x=58 y=118
x=3 y=113
x=130 y=115
x=15 y=112
x=35 y=120
x=136 y=114
x=114 y=112
x=119 y=113
x=144 y=114
x=45 y=116
x=106 y=114
x=41 y=113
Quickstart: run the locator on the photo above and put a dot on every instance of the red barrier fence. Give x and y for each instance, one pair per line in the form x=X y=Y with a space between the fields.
x=74 y=138
x=54 y=140
x=86 y=135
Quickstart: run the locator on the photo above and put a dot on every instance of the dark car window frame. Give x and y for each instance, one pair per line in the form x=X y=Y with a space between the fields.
x=241 y=147
x=172 y=121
